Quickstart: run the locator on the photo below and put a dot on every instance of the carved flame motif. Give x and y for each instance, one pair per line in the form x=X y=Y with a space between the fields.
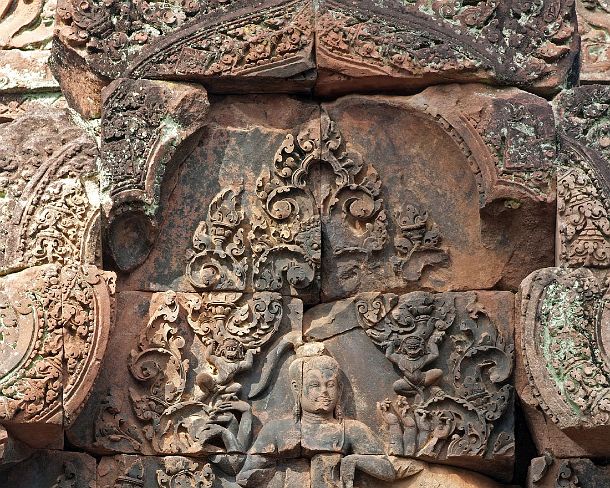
x=314 y=185
x=443 y=409
x=219 y=244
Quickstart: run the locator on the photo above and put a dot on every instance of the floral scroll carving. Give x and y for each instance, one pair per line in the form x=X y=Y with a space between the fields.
x=207 y=417
x=583 y=185
x=54 y=327
x=451 y=392
x=315 y=191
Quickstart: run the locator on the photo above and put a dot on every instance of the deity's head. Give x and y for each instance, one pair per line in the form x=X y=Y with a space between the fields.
x=412 y=346
x=316 y=386
x=231 y=349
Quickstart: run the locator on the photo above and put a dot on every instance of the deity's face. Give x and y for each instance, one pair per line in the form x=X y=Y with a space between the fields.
x=320 y=390
x=413 y=347
x=231 y=349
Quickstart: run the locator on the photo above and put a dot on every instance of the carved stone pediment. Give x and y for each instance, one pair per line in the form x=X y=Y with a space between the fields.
x=55 y=325
x=228 y=43
x=49 y=209
x=412 y=43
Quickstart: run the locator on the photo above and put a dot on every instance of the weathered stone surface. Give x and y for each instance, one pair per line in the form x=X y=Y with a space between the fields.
x=13 y=106
x=49 y=205
x=562 y=376
x=583 y=185
x=229 y=46
x=178 y=370
x=81 y=86
x=53 y=335
x=53 y=469
x=26 y=25
x=461 y=180
x=398 y=44
x=594 y=29
x=548 y=472
x=26 y=29
x=442 y=365
x=25 y=71
x=229 y=223
x=145 y=128
x=157 y=472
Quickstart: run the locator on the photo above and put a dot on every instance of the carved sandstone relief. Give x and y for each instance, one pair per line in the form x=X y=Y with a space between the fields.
x=183 y=365
x=442 y=365
x=53 y=469
x=594 y=29
x=54 y=329
x=413 y=43
x=226 y=45
x=458 y=187
x=311 y=207
x=563 y=369
x=583 y=187
x=146 y=126
x=49 y=210
x=26 y=31
x=549 y=472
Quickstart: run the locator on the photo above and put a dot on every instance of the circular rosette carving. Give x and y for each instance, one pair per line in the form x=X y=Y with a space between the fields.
x=87 y=295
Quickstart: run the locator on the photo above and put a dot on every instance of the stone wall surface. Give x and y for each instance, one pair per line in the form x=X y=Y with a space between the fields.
x=304 y=243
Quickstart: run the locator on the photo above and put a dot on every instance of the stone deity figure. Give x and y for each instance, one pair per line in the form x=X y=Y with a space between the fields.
x=412 y=356
x=335 y=446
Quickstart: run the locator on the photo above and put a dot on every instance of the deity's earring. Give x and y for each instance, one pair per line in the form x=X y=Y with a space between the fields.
x=338 y=412
x=296 y=411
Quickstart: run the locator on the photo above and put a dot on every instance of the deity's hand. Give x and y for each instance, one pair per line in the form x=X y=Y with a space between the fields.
x=235 y=405
x=348 y=471
x=384 y=410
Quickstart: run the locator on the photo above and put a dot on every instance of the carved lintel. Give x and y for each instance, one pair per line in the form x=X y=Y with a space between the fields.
x=147 y=128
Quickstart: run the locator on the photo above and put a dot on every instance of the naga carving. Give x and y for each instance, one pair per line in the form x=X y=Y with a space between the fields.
x=144 y=126
x=449 y=396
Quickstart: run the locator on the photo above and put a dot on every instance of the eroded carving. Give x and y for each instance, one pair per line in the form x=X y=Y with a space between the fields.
x=335 y=446
x=410 y=40
x=26 y=25
x=185 y=473
x=443 y=409
x=49 y=210
x=210 y=417
x=315 y=188
x=193 y=40
x=144 y=125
